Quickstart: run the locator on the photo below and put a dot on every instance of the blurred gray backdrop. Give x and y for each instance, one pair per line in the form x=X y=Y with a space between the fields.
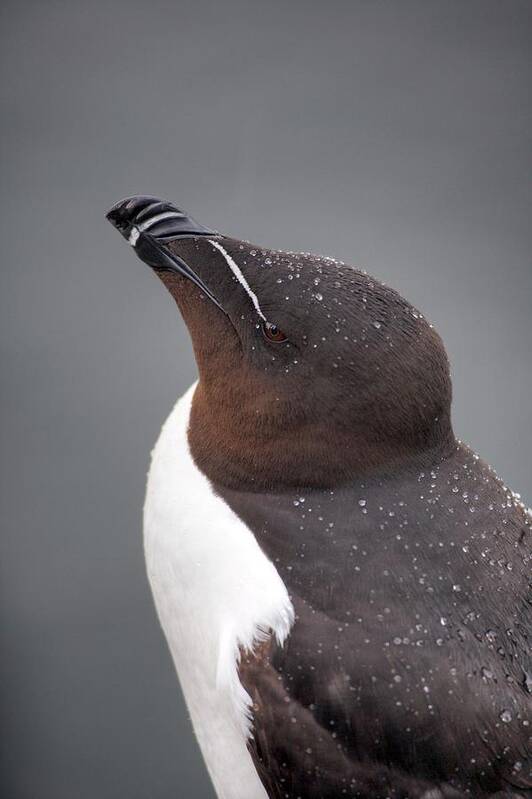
x=394 y=135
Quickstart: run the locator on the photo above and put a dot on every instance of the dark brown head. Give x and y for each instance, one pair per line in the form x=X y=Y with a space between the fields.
x=311 y=372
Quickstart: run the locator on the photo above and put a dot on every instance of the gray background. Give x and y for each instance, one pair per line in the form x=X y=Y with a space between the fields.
x=394 y=135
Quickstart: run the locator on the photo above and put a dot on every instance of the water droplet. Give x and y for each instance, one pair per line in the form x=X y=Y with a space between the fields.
x=362 y=503
x=506 y=716
x=319 y=297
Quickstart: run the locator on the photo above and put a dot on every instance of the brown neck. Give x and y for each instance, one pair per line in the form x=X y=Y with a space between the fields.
x=253 y=451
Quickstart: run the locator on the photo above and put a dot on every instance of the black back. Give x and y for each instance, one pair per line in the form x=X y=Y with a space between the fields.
x=409 y=664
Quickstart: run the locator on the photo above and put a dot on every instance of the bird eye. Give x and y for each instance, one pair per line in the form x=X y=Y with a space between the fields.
x=273 y=333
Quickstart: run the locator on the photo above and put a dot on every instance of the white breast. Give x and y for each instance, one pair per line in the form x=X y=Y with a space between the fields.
x=215 y=591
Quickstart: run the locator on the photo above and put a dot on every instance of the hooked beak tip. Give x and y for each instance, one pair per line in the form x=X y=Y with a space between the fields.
x=161 y=219
x=148 y=224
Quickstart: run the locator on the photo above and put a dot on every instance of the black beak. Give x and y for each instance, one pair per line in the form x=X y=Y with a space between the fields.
x=149 y=224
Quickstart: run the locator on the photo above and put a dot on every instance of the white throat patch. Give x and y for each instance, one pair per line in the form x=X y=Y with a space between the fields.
x=215 y=592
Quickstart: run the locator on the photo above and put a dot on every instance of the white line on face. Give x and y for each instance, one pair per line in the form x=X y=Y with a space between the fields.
x=240 y=277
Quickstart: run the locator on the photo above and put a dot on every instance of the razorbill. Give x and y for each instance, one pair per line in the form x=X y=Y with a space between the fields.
x=344 y=587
